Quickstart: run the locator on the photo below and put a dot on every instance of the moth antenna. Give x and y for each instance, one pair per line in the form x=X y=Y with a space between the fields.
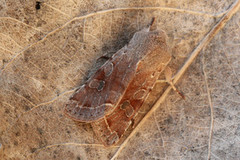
x=152 y=21
x=150 y=24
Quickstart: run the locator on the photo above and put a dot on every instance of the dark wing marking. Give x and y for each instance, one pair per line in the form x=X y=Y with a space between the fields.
x=102 y=92
x=115 y=124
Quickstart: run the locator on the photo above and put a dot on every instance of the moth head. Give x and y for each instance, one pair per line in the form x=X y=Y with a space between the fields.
x=152 y=49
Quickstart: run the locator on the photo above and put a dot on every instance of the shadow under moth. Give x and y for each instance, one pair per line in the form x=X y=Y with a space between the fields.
x=110 y=99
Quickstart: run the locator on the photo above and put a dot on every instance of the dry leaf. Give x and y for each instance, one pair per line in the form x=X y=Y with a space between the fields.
x=46 y=52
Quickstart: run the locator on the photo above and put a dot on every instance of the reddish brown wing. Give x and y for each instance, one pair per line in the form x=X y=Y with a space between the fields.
x=100 y=94
x=111 y=128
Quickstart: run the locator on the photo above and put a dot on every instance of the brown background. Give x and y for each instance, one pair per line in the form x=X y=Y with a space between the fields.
x=45 y=54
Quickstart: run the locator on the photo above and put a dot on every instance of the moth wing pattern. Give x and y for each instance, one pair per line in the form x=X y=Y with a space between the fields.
x=111 y=98
x=112 y=127
x=100 y=94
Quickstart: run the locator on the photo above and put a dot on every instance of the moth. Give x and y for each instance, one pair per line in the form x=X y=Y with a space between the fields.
x=110 y=99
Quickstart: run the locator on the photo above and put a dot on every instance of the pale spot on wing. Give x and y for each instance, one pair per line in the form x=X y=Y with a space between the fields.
x=129 y=111
x=128 y=108
x=98 y=84
x=140 y=94
x=108 y=69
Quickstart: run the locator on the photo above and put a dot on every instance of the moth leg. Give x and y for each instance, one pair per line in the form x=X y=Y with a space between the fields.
x=133 y=123
x=104 y=133
x=168 y=76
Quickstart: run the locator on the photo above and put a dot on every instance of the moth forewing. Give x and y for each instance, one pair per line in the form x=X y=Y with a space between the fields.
x=102 y=92
x=153 y=56
x=111 y=98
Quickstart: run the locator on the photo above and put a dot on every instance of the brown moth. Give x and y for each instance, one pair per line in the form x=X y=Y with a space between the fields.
x=111 y=98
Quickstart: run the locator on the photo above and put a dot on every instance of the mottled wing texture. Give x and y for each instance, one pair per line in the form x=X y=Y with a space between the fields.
x=111 y=128
x=100 y=94
x=111 y=98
